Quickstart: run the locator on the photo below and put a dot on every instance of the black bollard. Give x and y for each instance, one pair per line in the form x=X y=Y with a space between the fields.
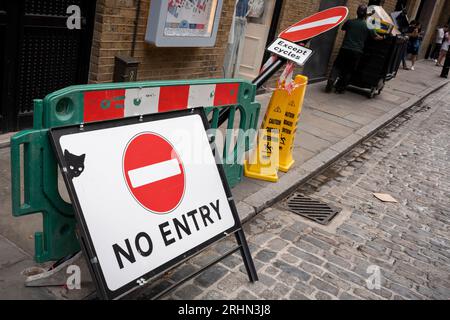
x=446 y=67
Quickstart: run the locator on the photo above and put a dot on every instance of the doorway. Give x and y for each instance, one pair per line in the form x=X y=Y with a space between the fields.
x=317 y=66
x=255 y=39
x=42 y=54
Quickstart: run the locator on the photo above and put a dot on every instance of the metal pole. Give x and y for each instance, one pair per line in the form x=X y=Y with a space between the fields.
x=258 y=81
x=268 y=72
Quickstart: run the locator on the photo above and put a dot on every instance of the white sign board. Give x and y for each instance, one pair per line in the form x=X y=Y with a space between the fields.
x=290 y=51
x=148 y=193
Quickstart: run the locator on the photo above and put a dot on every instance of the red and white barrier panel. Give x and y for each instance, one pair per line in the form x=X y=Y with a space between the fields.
x=119 y=103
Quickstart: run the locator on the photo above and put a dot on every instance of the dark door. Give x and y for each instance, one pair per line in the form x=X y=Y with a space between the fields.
x=40 y=55
x=3 y=21
x=322 y=45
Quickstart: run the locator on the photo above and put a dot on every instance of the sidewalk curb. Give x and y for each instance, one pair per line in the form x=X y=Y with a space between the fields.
x=249 y=207
x=5 y=139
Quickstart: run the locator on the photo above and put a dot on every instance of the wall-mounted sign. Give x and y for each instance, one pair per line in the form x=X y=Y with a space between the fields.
x=183 y=23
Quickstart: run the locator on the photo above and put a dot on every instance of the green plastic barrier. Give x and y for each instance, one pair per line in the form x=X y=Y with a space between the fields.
x=86 y=103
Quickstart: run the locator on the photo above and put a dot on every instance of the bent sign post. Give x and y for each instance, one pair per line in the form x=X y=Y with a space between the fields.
x=285 y=46
x=300 y=33
x=147 y=193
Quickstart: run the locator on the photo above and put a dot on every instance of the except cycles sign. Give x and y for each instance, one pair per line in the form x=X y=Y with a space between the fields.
x=290 y=51
x=147 y=194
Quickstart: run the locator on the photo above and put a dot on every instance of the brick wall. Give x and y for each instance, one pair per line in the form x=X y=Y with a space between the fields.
x=113 y=33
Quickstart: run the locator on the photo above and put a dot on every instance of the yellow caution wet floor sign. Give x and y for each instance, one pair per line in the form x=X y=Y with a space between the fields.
x=276 y=139
x=263 y=163
x=290 y=122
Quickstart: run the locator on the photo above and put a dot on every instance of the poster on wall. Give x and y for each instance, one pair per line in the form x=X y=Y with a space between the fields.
x=190 y=18
x=183 y=23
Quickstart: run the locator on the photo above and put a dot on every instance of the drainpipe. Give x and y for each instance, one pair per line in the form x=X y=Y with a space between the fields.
x=136 y=20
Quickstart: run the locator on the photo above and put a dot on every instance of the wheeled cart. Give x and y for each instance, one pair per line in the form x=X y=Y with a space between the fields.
x=379 y=63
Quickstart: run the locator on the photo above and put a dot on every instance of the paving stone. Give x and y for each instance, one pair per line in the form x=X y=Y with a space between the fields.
x=310 y=268
x=297 y=296
x=231 y=282
x=213 y=295
x=245 y=295
x=319 y=295
x=289 y=258
x=318 y=243
x=272 y=271
x=182 y=272
x=277 y=244
x=188 y=292
x=336 y=281
x=286 y=278
x=291 y=270
x=347 y=296
x=323 y=286
x=299 y=227
x=265 y=255
x=365 y=294
x=303 y=288
x=404 y=292
x=232 y=261
x=306 y=256
x=344 y=274
x=308 y=247
x=289 y=235
x=337 y=260
x=210 y=275
x=266 y=280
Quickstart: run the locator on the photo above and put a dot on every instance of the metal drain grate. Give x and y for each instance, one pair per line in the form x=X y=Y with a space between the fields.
x=310 y=208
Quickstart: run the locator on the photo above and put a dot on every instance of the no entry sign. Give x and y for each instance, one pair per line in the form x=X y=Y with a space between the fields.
x=315 y=24
x=154 y=172
x=147 y=193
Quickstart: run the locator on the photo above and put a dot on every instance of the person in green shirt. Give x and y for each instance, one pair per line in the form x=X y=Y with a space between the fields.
x=356 y=34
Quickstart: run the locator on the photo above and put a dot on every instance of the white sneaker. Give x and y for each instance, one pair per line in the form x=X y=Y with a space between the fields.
x=435 y=60
x=412 y=68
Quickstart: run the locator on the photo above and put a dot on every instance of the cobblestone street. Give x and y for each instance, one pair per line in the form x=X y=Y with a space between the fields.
x=408 y=241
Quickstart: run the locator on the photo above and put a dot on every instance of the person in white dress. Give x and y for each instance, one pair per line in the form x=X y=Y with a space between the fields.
x=444 y=49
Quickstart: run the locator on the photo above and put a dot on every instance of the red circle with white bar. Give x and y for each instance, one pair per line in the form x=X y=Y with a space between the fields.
x=315 y=24
x=154 y=172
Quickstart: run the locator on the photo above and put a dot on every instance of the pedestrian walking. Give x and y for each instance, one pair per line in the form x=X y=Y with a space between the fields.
x=356 y=34
x=444 y=49
x=439 y=38
x=414 y=38
x=403 y=26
